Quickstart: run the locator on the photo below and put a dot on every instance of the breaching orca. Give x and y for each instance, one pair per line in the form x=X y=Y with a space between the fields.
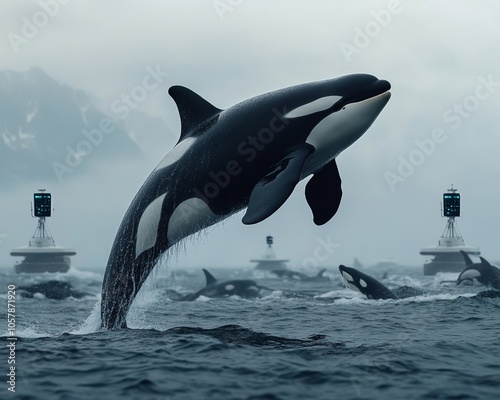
x=244 y=288
x=250 y=155
x=483 y=272
x=373 y=289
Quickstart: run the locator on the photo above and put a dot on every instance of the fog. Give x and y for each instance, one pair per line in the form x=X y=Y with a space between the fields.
x=439 y=128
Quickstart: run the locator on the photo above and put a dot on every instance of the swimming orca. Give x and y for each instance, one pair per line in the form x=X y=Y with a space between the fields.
x=286 y=273
x=483 y=272
x=55 y=290
x=250 y=155
x=373 y=289
x=370 y=287
x=245 y=288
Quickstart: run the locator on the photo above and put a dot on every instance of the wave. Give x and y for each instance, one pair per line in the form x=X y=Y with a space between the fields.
x=26 y=333
x=343 y=297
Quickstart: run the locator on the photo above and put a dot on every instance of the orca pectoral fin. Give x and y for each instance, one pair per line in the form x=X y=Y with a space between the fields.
x=324 y=192
x=274 y=188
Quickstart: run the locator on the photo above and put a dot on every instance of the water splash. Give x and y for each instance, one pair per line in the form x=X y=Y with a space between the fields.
x=92 y=323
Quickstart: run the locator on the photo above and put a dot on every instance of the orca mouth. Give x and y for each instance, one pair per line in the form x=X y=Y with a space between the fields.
x=343 y=268
x=346 y=277
x=375 y=89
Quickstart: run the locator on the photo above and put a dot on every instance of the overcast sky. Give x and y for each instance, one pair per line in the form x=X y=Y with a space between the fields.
x=441 y=58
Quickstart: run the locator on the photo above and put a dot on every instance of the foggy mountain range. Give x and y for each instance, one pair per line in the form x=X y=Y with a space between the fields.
x=47 y=129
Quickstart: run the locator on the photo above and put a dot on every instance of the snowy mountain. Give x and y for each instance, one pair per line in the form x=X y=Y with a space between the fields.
x=48 y=130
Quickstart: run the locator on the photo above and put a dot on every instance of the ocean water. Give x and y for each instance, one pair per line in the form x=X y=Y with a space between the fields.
x=301 y=340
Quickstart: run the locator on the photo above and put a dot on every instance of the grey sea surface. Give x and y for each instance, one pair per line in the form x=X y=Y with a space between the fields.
x=300 y=340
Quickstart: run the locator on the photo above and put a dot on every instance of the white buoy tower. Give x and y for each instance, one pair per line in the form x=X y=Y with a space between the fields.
x=447 y=256
x=269 y=261
x=42 y=254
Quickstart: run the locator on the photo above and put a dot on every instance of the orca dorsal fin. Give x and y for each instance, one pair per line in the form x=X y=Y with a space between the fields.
x=209 y=277
x=484 y=262
x=320 y=273
x=193 y=109
x=467 y=259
